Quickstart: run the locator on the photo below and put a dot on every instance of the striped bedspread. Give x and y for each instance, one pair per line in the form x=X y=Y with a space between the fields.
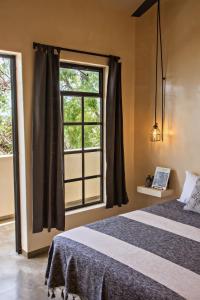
x=153 y=253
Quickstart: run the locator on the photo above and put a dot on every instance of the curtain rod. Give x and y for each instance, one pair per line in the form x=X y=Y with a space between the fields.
x=35 y=45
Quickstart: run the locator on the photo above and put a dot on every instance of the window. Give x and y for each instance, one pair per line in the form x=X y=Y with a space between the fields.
x=83 y=134
x=9 y=146
x=6 y=91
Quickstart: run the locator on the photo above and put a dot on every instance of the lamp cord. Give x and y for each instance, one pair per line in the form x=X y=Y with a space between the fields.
x=156 y=88
x=159 y=43
x=162 y=72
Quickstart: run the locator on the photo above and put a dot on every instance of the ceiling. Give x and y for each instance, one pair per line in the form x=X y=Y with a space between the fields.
x=127 y=6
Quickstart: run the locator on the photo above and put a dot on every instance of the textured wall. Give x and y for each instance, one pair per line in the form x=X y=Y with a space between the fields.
x=87 y=25
x=181 y=146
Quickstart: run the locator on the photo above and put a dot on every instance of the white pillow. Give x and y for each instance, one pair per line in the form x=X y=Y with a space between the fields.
x=189 y=184
x=194 y=201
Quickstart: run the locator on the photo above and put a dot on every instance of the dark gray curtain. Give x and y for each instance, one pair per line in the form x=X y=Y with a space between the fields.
x=47 y=151
x=115 y=174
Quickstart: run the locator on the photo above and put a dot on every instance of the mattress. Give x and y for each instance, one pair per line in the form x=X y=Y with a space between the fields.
x=152 y=253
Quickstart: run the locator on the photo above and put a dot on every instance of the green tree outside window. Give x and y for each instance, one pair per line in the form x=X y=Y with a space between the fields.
x=70 y=80
x=82 y=81
x=5 y=108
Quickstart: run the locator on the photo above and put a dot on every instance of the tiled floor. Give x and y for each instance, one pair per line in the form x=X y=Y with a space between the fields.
x=20 y=278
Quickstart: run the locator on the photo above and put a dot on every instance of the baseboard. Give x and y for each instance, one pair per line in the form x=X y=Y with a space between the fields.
x=7 y=217
x=35 y=253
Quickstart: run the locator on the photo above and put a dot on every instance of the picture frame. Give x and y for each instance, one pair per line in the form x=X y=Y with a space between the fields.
x=161 y=178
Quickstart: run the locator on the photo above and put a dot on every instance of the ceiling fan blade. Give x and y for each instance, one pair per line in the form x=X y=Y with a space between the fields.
x=144 y=7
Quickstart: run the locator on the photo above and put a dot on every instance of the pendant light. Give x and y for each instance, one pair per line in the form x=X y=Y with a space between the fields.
x=156 y=133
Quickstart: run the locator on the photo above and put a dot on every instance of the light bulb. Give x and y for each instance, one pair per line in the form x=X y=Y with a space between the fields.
x=155 y=133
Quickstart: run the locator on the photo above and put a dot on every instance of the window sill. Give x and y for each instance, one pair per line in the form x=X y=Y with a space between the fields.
x=6 y=156
x=83 y=209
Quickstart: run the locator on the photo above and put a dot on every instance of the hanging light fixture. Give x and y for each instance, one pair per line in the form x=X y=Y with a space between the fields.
x=156 y=133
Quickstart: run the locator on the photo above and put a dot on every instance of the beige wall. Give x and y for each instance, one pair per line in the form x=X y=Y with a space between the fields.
x=6 y=186
x=87 y=25
x=181 y=146
x=91 y=25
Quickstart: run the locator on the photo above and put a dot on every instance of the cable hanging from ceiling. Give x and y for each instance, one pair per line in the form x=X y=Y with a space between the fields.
x=156 y=133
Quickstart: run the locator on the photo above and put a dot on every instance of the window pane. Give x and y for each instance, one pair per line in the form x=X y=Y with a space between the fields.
x=73 y=166
x=73 y=194
x=72 y=109
x=5 y=107
x=92 y=136
x=92 y=190
x=92 y=109
x=79 y=80
x=72 y=137
x=92 y=163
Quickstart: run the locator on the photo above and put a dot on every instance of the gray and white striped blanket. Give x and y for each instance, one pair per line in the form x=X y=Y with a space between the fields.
x=153 y=253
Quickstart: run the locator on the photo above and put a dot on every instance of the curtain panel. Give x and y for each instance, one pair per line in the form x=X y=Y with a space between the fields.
x=115 y=173
x=47 y=144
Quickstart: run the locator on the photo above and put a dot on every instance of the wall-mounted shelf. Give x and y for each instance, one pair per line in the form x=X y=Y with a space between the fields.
x=155 y=192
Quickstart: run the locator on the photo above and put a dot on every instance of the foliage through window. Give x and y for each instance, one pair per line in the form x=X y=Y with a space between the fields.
x=5 y=106
x=82 y=102
x=78 y=80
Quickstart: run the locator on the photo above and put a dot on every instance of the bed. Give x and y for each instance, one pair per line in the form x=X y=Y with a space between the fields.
x=152 y=253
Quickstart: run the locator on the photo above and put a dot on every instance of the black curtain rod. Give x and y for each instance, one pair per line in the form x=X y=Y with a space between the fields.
x=35 y=45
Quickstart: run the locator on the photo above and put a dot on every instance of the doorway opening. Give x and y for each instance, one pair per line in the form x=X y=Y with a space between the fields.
x=9 y=152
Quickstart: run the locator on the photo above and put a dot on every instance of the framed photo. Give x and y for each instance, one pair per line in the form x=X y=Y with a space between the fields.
x=161 y=178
